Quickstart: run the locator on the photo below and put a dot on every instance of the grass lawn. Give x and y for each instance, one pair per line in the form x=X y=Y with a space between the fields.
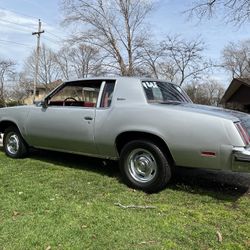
x=60 y=201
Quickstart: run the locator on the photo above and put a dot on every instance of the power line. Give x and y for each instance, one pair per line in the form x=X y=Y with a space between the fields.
x=7 y=27
x=29 y=30
x=22 y=44
x=7 y=47
x=18 y=24
x=19 y=13
x=56 y=42
x=31 y=27
x=22 y=14
x=55 y=35
x=51 y=40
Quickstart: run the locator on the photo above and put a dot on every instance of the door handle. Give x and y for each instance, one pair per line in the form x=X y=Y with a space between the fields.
x=88 y=118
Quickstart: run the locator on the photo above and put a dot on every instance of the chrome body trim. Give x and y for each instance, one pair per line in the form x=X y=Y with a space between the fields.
x=79 y=153
x=241 y=159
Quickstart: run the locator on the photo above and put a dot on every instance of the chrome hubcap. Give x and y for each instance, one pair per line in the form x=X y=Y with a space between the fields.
x=141 y=165
x=13 y=144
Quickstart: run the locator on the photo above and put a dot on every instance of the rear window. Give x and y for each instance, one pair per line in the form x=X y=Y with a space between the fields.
x=164 y=92
x=246 y=123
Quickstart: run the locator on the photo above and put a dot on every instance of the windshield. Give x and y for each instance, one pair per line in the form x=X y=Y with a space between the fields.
x=164 y=92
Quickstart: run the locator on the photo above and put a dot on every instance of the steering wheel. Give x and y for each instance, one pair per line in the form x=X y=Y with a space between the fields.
x=69 y=98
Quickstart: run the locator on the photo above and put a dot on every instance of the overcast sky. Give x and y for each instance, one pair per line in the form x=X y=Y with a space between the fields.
x=18 y=19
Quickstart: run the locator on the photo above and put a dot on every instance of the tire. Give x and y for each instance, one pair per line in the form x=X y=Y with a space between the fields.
x=13 y=143
x=144 y=166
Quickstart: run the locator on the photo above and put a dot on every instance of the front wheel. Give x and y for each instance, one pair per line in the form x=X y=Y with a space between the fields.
x=144 y=166
x=13 y=143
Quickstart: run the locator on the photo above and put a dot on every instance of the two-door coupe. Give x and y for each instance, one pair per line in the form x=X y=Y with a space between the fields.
x=149 y=125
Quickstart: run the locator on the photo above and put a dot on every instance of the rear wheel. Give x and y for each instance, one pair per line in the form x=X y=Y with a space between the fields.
x=13 y=143
x=144 y=166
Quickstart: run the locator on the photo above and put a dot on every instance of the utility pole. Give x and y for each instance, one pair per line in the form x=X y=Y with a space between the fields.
x=38 y=34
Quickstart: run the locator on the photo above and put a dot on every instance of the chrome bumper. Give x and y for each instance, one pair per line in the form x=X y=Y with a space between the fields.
x=241 y=159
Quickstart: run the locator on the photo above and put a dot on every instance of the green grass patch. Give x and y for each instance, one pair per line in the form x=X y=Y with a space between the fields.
x=61 y=201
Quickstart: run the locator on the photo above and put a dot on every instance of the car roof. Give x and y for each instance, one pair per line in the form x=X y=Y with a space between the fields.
x=119 y=77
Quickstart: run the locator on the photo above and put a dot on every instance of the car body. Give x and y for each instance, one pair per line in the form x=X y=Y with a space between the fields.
x=149 y=125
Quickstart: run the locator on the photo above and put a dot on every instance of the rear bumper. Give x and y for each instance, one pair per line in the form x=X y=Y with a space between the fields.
x=241 y=159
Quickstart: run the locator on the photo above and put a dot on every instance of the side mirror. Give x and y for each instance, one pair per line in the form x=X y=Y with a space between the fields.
x=44 y=103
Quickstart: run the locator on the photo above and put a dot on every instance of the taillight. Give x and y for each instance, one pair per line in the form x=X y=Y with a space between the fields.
x=243 y=132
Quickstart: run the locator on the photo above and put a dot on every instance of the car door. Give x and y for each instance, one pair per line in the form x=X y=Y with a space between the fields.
x=64 y=128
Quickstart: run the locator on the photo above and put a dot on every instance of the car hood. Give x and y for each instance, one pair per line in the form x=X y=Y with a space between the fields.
x=216 y=111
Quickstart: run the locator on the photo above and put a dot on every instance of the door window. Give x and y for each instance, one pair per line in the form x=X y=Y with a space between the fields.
x=80 y=94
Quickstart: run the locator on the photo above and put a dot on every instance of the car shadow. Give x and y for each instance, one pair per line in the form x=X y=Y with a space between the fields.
x=222 y=185
x=67 y=160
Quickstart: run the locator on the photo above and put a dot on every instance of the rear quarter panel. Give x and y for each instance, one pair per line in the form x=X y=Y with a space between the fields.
x=186 y=133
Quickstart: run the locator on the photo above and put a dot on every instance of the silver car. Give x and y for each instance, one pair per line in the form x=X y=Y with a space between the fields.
x=149 y=125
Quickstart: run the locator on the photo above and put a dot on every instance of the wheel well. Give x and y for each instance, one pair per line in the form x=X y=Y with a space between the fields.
x=126 y=137
x=6 y=124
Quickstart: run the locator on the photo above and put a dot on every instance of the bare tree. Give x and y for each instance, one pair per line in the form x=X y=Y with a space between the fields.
x=49 y=70
x=21 y=88
x=235 y=11
x=63 y=61
x=208 y=92
x=79 y=61
x=183 y=59
x=85 y=61
x=215 y=91
x=236 y=58
x=174 y=59
x=152 y=55
x=196 y=92
x=7 y=68
x=116 y=27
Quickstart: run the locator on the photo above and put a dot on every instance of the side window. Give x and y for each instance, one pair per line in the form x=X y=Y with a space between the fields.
x=107 y=94
x=79 y=94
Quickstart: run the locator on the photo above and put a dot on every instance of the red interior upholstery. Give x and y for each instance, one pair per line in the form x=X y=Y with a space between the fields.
x=72 y=103
x=89 y=104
